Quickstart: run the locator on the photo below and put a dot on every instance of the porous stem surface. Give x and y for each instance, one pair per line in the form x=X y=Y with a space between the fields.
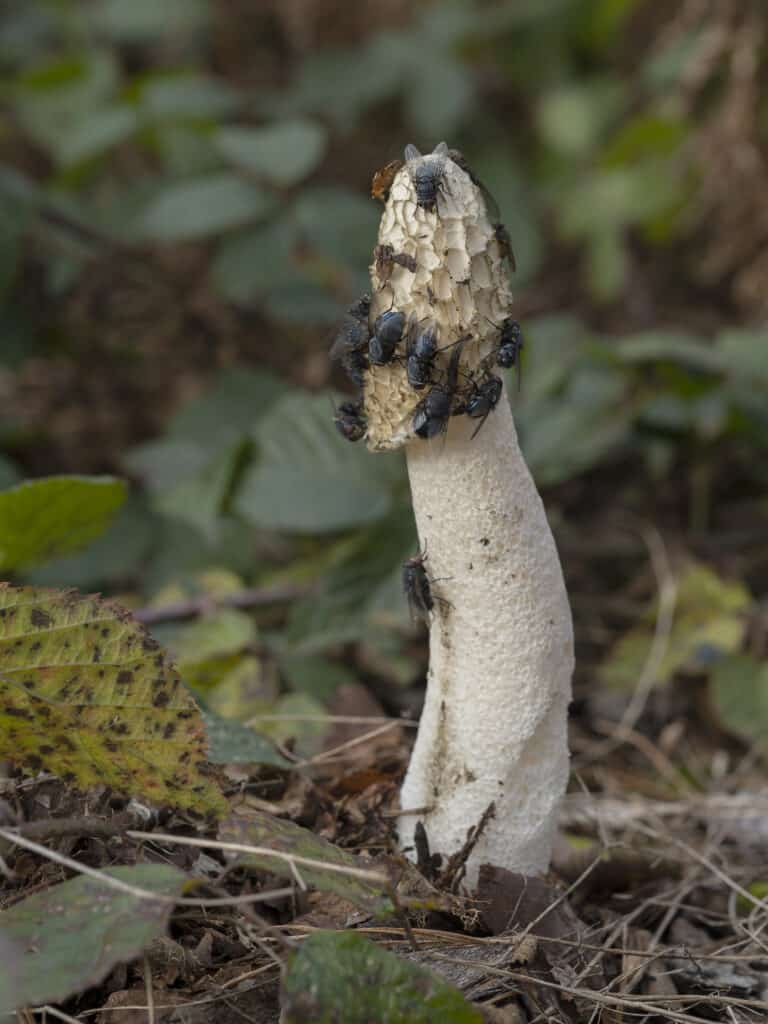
x=493 y=728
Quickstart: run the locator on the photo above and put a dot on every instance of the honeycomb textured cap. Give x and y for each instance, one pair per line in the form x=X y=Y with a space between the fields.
x=460 y=286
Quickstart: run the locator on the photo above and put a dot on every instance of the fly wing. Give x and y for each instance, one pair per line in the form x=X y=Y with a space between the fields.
x=491 y=206
x=342 y=342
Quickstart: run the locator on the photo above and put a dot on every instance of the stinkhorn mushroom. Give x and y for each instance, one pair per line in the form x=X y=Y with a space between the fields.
x=493 y=729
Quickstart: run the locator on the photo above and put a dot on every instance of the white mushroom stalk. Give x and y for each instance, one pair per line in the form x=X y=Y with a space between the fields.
x=493 y=728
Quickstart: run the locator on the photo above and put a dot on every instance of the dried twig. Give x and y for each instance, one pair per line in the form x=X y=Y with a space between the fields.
x=667 y=588
x=58 y=828
x=335 y=752
x=292 y=859
x=205 y=604
x=135 y=890
x=582 y=809
x=54 y=1012
x=148 y=989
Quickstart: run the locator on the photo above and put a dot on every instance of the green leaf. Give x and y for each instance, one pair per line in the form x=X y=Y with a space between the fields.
x=86 y=693
x=284 y=152
x=556 y=349
x=173 y=97
x=573 y=431
x=709 y=621
x=665 y=68
x=52 y=516
x=362 y=590
x=309 y=479
x=163 y=465
x=231 y=407
x=114 y=557
x=440 y=95
x=613 y=198
x=200 y=500
x=144 y=20
x=299 y=720
x=305 y=301
x=738 y=689
x=314 y=675
x=226 y=631
x=201 y=207
x=339 y=83
x=257 y=261
x=342 y=976
x=237 y=686
x=326 y=872
x=570 y=440
x=72 y=935
x=675 y=347
x=607 y=264
x=339 y=223
x=743 y=354
x=572 y=117
x=17 y=218
x=645 y=135
x=57 y=97
x=181 y=551
x=97 y=132
x=9 y=474
x=230 y=742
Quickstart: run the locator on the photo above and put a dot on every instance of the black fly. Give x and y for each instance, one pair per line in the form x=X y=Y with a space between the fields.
x=387 y=332
x=483 y=399
x=420 y=357
x=427 y=176
x=350 y=421
x=510 y=343
x=501 y=235
x=500 y=232
x=385 y=259
x=350 y=344
x=436 y=408
x=418 y=589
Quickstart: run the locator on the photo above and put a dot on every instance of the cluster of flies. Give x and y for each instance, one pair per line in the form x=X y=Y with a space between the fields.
x=357 y=347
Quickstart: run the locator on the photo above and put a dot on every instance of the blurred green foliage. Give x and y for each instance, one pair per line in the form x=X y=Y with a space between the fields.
x=150 y=138
x=598 y=154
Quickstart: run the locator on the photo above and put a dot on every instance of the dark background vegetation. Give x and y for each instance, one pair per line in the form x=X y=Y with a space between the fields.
x=184 y=193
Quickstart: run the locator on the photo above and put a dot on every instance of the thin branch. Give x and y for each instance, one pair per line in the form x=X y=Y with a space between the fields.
x=205 y=604
x=135 y=890
x=334 y=752
x=721 y=875
x=149 y=991
x=291 y=859
x=333 y=719
x=57 y=1013
x=585 y=809
x=58 y=828
x=665 y=617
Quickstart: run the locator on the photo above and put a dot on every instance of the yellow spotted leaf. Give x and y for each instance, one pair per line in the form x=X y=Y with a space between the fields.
x=85 y=692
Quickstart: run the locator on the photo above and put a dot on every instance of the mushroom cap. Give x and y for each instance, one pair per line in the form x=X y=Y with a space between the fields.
x=460 y=287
